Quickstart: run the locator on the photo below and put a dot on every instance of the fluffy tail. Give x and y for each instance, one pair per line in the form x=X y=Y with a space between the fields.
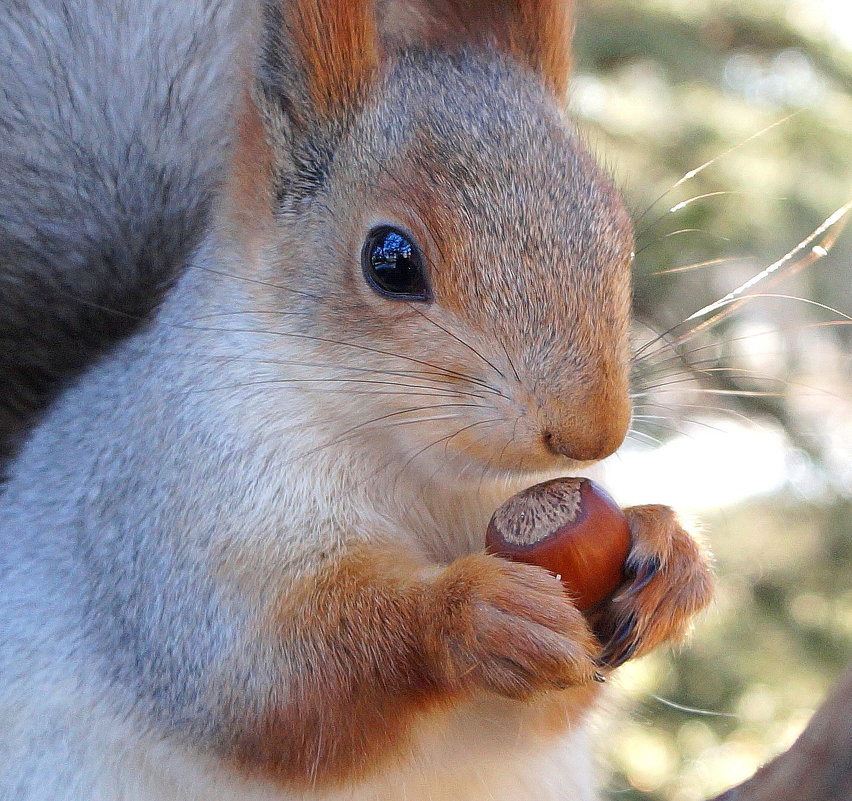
x=114 y=134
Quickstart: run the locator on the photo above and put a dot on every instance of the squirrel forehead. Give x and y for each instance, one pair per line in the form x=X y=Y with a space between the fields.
x=480 y=151
x=480 y=142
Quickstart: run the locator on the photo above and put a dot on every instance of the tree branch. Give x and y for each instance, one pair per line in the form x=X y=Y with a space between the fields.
x=818 y=766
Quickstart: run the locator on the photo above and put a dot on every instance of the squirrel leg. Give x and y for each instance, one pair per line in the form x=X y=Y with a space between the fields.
x=669 y=580
x=379 y=638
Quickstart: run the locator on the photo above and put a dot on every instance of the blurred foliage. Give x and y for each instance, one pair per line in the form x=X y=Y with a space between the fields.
x=661 y=87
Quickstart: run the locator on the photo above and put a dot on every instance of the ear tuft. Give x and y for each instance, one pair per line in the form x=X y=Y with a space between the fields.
x=542 y=36
x=338 y=47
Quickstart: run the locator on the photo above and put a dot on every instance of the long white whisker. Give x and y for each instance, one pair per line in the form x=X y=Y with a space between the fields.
x=681 y=355
x=726 y=302
x=704 y=390
x=692 y=173
x=634 y=433
x=695 y=266
x=678 y=233
x=702 y=407
x=731 y=300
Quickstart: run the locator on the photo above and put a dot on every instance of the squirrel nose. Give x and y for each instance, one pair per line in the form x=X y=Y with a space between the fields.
x=595 y=437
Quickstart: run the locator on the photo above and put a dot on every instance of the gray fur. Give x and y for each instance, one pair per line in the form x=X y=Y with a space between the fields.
x=114 y=131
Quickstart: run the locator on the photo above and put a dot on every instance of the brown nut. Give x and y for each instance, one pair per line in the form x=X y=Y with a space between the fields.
x=569 y=526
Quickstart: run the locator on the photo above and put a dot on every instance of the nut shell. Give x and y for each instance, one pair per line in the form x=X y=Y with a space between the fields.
x=569 y=526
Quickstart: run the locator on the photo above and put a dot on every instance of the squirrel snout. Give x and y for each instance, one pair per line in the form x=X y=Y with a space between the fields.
x=590 y=436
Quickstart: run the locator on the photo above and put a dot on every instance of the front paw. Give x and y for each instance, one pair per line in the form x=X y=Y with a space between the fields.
x=508 y=628
x=669 y=579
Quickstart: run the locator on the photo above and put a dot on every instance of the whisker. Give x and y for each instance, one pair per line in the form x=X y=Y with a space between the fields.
x=344 y=343
x=446 y=439
x=470 y=464
x=509 y=441
x=634 y=433
x=671 y=363
x=421 y=375
x=248 y=280
x=702 y=407
x=433 y=391
x=691 y=709
x=692 y=173
x=248 y=312
x=678 y=206
x=730 y=300
x=720 y=303
x=457 y=339
x=363 y=392
x=142 y=318
x=686 y=378
x=695 y=266
x=682 y=354
x=702 y=423
x=673 y=429
x=705 y=390
x=678 y=233
x=475 y=441
x=349 y=433
x=688 y=202
x=758 y=376
x=509 y=359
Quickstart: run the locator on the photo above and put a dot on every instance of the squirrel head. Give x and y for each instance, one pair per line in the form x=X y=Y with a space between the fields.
x=460 y=265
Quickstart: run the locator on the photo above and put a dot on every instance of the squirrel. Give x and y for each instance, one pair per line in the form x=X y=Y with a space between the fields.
x=384 y=287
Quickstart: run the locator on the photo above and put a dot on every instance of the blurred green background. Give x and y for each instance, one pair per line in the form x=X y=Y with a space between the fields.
x=747 y=422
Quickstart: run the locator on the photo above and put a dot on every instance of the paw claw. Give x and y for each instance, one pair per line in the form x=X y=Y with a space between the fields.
x=617 y=660
x=614 y=644
x=642 y=575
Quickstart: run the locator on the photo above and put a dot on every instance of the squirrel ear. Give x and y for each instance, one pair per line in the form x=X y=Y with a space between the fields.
x=536 y=32
x=330 y=48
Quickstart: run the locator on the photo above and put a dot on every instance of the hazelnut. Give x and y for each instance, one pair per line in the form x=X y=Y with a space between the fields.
x=569 y=526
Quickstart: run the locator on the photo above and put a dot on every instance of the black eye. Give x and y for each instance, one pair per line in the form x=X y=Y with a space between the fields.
x=393 y=265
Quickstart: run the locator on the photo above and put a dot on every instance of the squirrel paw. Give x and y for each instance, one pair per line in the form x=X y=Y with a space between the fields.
x=669 y=580
x=508 y=628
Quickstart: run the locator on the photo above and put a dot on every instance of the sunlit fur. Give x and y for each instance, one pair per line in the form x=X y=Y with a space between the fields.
x=242 y=557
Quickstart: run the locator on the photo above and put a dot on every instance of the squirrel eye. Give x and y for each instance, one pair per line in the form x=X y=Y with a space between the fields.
x=393 y=265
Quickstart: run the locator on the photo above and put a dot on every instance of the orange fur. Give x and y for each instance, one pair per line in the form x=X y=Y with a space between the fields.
x=338 y=44
x=587 y=412
x=542 y=35
x=380 y=642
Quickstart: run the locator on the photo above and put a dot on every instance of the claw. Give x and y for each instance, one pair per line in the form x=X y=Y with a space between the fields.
x=620 y=659
x=643 y=575
x=622 y=634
